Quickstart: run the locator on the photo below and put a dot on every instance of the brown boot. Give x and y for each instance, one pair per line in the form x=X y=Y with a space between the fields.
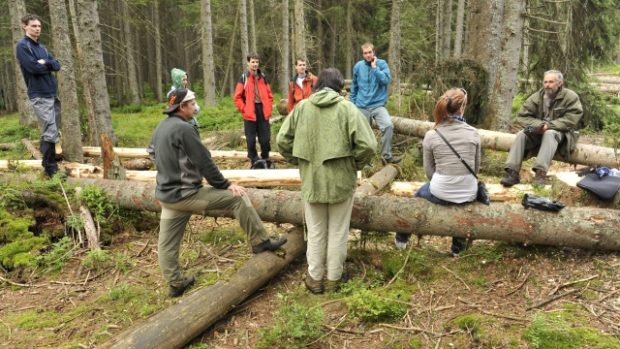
x=314 y=286
x=334 y=285
x=511 y=177
x=540 y=177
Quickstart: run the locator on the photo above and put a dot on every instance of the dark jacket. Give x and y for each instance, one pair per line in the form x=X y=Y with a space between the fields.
x=38 y=77
x=565 y=112
x=244 y=95
x=296 y=93
x=182 y=161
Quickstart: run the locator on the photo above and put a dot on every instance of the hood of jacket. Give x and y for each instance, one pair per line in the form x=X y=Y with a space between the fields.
x=325 y=97
x=177 y=75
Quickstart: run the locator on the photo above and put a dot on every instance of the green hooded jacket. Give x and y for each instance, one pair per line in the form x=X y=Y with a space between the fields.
x=177 y=75
x=329 y=139
x=565 y=113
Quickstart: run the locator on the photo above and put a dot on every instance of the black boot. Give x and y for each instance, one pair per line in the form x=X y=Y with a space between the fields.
x=48 y=151
x=511 y=177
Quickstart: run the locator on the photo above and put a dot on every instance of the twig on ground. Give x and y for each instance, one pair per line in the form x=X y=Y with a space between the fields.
x=549 y=300
x=21 y=285
x=359 y=333
x=330 y=332
x=412 y=328
x=570 y=283
x=143 y=248
x=401 y=268
x=83 y=283
x=486 y=312
x=456 y=276
x=520 y=285
x=608 y=295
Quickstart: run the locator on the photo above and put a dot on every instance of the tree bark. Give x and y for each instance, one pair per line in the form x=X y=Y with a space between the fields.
x=137 y=153
x=158 y=56
x=348 y=41
x=577 y=227
x=88 y=18
x=67 y=88
x=208 y=65
x=243 y=18
x=285 y=70
x=320 y=33
x=253 y=42
x=132 y=76
x=394 y=49
x=497 y=192
x=17 y=9
x=300 y=29
x=446 y=29
x=584 y=154
x=458 y=33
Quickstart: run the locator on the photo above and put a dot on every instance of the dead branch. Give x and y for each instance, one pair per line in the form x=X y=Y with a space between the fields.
x=559 y=287
x=412 y=328
x=456 y=276
x=520 y=285
x=551 y=299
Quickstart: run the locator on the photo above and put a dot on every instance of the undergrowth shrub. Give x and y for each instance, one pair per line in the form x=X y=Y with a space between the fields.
x=58 y=255
x=376 y=305
x=295 y=327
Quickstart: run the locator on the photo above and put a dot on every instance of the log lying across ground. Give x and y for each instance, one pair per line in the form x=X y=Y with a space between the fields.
x=588 y=228
x=141 y=153
x=177 y=325
x=584 y=154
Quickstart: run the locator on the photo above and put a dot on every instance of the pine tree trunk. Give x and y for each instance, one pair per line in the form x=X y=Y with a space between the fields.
x=438 y=32
x=17 y=9
x=285 y=71
x=300 y=29
x=70 y=125
x=446 y=29
x=394 y=50
x=458 y=35
x=208 y=65
x=348 y=45
x=320 y=32
x=577 y=227
x=243 y=17
x=158 y=56
x=132 y=76
x=88 y=19
x=253 y=42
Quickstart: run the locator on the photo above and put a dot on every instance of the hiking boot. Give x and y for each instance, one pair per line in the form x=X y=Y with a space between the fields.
x=334 y=285
x=393 y=160
x=511 y=177
x=176 y=291
x=400 y=241
x=314 y=286
x=272 y=244
x=540 y=177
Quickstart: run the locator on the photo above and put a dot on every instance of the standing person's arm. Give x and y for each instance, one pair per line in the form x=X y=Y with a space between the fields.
x=286 y=137
x=52 y=63
x=29 y=62
x=289 y=101
x=362 y=138
x=382 y=72
x=354 y=87
x=239 y=97
x=201 y=157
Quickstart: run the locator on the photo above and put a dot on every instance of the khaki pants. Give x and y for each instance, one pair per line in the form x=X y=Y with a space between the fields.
x=547 y=143
x=328 y=231
x=174 y=218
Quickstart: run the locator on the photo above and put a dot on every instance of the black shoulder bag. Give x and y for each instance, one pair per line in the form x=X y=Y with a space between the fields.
x=483 y=194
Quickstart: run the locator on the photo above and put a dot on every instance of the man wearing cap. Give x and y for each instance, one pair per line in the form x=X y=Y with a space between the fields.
x=37 y=65
x=182 y=162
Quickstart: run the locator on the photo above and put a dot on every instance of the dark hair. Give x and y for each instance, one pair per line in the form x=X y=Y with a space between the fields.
x=330 y=77
x=449 y=104
x=253 y=55
x=302 y=59
x=30 y=17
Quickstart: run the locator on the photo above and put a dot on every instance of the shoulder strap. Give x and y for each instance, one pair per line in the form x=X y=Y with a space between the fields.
x=455 y=153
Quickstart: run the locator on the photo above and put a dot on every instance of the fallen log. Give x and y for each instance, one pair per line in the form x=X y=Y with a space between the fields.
x=14 y=164
x=570 y=193
x=584 y=154
x=608 y=88
x=177 y=325
x=588 y=228
x=138 y=164
x=607 y=79
x=497 y=192
x=141 y=153
x=32 y=149
x=378 y=181
x=6 y=146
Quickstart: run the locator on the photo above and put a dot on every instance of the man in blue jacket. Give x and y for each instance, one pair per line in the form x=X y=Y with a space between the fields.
x=371 y=77
x=37 y=65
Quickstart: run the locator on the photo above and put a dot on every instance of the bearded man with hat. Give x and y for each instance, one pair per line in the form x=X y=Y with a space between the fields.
x=182 y=162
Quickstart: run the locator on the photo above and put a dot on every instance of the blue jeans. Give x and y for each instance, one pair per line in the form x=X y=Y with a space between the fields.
x=458 y=244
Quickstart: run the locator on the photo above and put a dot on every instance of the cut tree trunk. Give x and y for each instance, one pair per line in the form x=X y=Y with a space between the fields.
x=178 y=324
x=138 y=153
x=379 y=180
x=6 y=146
x=497 y=192
x=584 y=154
x=588 y=228
x=32 y=149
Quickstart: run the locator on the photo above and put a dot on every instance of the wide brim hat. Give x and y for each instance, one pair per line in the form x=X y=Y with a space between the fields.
x=177 y=97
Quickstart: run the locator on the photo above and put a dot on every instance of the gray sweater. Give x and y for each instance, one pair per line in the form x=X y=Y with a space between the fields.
x=182 y=161
x=439 y=158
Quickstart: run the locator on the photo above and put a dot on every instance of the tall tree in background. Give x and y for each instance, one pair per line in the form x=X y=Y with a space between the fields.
x=300 y=29
x=252 y=26
x=446 y=28
x=285 y=62
x=394 y=50
x=67 y=88
x=88 y=19
x=132 y=75
x=243 y=29
x=17 y=9
x=348 y=41
x=458 y=31
x=158 y=57
x=208 y=65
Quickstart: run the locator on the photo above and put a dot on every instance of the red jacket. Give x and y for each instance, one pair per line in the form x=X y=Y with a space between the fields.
x=244 y=91
x=296 y=93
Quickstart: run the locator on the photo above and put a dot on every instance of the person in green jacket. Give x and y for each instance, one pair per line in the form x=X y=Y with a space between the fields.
x=181 y=80
x=549 y=119
x=329 y=139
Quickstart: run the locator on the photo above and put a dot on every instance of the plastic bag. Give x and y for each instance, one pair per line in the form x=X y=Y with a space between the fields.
x=541 y=203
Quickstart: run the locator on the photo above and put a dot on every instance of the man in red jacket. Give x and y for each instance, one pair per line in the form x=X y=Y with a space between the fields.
x=254 y=100
x=301 y=84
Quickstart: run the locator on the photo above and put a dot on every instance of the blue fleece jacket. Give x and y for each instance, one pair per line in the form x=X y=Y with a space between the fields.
x=38 y=77
x=369 y=85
